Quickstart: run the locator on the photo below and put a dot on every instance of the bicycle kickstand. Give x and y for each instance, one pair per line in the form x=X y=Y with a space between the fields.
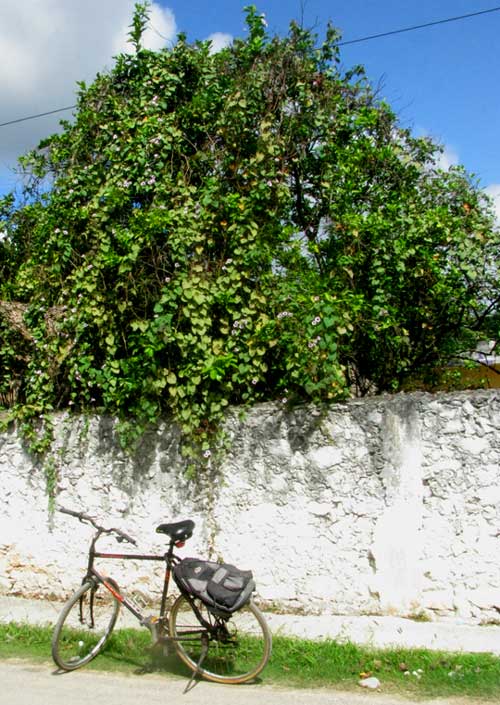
x=204 y=651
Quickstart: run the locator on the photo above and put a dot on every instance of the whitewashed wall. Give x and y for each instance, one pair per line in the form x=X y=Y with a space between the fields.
x=389 y=505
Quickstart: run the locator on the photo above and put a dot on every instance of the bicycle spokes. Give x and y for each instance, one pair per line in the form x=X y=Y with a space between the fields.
x=84 y=626
x=238 y=646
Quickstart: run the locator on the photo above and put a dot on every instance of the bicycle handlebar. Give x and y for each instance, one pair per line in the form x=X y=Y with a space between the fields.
x=78 y=515
x=121 y=535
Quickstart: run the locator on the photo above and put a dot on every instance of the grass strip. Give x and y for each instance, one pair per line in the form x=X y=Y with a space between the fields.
x=296 y=662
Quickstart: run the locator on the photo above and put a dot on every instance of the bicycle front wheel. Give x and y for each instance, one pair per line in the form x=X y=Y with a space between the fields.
x=239 y=645
x=84 y=626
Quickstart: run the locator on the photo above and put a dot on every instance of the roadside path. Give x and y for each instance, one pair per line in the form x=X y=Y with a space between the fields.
x=24 y=683
x=374 y=631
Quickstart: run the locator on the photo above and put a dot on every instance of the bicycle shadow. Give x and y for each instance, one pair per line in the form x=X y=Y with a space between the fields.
x=153 y=661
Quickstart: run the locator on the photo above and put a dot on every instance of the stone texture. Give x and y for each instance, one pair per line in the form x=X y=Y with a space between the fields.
x=387 y=505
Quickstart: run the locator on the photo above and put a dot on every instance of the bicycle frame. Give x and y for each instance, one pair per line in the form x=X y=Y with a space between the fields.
x=170 y=559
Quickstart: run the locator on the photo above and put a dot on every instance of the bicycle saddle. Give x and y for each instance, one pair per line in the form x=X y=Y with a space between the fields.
x=178 y=531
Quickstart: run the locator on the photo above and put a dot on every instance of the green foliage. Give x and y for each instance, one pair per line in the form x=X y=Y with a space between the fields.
x=232 y=227
x=139 y=24
x=298 y=663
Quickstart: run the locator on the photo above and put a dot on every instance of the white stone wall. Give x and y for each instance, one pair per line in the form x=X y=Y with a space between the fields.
x=389 y=505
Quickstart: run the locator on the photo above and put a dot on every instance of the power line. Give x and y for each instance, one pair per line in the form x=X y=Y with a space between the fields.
x=419 y=26
x=32 y=117
x=350 y=41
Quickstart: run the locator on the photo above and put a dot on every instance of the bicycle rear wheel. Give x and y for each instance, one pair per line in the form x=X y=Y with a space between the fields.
x=239 y=645
x=85 y=625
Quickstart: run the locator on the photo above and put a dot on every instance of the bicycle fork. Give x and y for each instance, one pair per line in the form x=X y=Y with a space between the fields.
x=90 y=607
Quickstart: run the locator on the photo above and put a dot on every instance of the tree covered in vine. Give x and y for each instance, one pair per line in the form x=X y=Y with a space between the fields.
x=217 y=229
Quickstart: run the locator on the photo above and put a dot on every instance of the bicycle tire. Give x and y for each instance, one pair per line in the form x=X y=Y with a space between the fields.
x=239 y=645
x=77 y=641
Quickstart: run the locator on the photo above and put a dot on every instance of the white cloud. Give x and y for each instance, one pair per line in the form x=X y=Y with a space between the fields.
x=219 y=40
x=447 y=158
x=161 y=31
x=493 y=192
x=46 y=47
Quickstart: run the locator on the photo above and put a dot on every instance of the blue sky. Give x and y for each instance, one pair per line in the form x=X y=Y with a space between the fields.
x=441 y=80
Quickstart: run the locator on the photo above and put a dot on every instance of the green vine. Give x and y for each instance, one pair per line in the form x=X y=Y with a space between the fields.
x=51 y=477
x=228 y=228
x=140 y=21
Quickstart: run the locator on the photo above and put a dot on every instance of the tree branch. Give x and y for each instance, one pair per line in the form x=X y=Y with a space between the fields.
x=13 y=313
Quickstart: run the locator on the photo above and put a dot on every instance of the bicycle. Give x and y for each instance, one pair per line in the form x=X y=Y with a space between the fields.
x=224 y=648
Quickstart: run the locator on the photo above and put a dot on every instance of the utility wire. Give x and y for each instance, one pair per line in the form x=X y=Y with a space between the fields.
x=418 y=26
x=350 y=41
x=32 y=117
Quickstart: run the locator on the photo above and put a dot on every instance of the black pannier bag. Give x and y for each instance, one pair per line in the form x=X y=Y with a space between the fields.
x=220 y=586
